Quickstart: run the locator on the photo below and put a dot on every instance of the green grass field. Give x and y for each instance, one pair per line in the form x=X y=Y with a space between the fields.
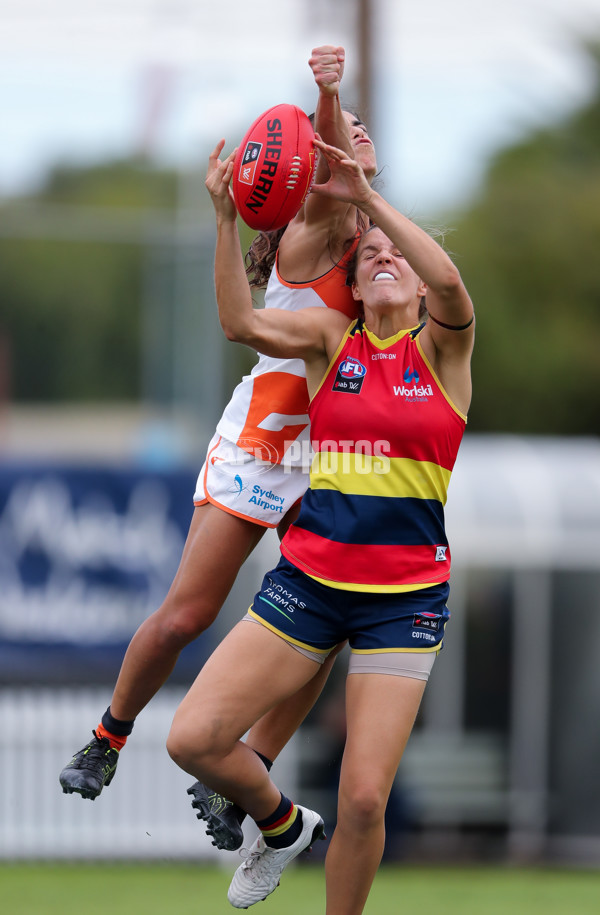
x=176 y=889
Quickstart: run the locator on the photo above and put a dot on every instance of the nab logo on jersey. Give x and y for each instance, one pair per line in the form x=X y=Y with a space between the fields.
x=350 y=376
x=431 y=621
x=248 y=163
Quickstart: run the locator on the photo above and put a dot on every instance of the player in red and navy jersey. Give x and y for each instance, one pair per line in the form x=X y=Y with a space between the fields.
x=266 y=420
x=367 y=559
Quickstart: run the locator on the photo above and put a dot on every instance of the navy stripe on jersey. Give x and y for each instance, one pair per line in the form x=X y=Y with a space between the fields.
x=349 y=519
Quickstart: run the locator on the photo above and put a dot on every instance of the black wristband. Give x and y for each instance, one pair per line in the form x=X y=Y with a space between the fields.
x=453 y=326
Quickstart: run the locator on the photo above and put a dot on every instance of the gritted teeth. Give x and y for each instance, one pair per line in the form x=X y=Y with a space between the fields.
x=384 y=276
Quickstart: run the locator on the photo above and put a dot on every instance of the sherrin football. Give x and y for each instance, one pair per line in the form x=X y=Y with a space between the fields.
x=274 y=167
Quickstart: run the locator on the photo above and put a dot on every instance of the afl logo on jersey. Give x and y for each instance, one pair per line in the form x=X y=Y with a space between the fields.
x=350 y=376
x=352 y=368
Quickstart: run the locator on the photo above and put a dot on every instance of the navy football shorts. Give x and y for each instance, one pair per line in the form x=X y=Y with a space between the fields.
x=316 y=617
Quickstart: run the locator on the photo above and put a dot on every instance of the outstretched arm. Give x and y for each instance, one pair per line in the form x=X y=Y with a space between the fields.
x=327 y=64
x=447 y=298
x=447 y=340
x=271 y=331
x=323 y=225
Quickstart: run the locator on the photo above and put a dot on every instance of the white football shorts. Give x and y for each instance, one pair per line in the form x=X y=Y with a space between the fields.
x=238 y=483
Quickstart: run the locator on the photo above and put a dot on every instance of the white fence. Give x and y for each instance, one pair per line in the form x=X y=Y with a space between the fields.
x=145 y=813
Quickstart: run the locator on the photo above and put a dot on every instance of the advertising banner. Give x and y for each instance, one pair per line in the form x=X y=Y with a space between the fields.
x=85 y=556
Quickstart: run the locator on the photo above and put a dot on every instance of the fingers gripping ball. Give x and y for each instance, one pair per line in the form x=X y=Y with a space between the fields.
x=274 y=167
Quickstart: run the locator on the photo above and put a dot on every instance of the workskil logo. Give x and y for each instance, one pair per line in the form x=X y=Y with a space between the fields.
x=418 y=393
x=350 y=376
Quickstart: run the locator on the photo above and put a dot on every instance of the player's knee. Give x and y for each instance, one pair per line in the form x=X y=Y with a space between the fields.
x=179 y=623
x=178 y=747
x=197 y=745
x=362 y=805
x=186 y=748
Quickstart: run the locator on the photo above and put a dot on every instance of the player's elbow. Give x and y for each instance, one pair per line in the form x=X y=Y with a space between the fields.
x=450 y=284
x=236 y=330
x=231 y=333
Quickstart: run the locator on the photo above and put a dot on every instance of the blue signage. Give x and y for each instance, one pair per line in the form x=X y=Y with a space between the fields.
x=85 y=556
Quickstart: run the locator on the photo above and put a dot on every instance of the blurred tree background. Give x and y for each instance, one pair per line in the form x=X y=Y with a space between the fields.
x=71 y=305
x=74 y=313
x=528 y=251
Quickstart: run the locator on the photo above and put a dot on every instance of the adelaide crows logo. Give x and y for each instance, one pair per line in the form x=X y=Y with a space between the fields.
x=350 y=376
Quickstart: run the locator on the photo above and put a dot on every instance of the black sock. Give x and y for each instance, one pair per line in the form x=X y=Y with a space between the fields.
x=268 y=762
x=119 y=728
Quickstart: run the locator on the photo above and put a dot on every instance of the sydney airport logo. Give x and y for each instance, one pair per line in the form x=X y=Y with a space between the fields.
x=350 y=376
x=418 y=392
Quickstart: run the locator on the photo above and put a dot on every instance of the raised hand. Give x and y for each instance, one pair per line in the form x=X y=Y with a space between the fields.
x=218 y=181
x=327 y=64
x=347 y=180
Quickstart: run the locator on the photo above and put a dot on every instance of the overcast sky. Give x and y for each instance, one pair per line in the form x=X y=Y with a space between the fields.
x=80 y=80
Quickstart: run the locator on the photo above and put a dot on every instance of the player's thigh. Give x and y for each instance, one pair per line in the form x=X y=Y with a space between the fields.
x=251 y=671
x=215 y=549
x=380 y=711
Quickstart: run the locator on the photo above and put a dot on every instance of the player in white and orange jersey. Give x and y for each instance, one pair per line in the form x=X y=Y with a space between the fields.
x=258 y=459
x=254 y=475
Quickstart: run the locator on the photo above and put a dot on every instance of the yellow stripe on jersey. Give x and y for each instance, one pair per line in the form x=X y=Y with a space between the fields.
x=389 y=341
x=375 y=475
x=367 y=589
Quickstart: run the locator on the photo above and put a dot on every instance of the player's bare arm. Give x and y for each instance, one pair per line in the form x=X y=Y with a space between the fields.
x=327 y=64
x=317 y=236
x=310 y=334
x=446 y=290
x=447 y=347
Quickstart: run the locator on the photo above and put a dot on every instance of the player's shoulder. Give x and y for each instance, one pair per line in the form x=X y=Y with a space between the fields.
x=319 y=244
x=333 y=324
x=327 y=318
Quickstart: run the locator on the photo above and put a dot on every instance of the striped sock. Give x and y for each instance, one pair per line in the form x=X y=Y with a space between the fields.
x=284 y=825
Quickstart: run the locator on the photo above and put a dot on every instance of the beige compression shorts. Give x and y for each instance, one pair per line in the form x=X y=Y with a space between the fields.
x=414 y=664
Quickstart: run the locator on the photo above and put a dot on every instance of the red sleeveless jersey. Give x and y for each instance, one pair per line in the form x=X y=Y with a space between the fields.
x=385 y=436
